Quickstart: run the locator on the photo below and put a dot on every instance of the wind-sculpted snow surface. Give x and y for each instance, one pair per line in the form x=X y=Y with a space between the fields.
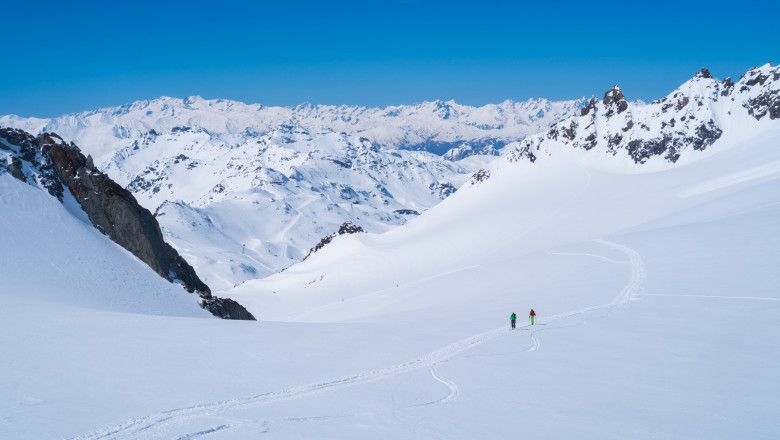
x=175 y=423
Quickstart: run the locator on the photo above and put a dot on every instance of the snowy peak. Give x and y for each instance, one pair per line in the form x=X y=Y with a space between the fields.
x=691 y=118
x=703 y=73
x=761 y=88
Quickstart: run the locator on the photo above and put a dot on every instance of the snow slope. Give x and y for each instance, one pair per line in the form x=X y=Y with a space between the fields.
x=51 y=253
x=656 y=295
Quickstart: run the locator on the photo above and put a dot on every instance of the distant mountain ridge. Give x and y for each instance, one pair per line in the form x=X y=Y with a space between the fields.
x=286 y=177
x=689 y=119
x=436 y=126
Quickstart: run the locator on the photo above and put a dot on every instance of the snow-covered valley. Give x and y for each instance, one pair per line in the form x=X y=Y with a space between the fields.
x=244 y=191
x=655 y=284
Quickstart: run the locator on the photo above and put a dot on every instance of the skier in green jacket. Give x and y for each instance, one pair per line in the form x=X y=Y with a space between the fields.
x=513 y=318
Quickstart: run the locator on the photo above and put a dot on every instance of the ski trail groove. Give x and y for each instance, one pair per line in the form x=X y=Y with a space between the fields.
x=280 y=236
x=195 y=435
x=454 y=392
x=131 y=428
x=757 y=298
x=577 y=254
x=536 y=343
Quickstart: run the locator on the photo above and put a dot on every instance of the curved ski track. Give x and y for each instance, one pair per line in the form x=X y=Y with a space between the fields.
x=136 y=427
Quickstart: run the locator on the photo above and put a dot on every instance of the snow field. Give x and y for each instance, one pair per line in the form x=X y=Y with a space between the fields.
x=657 y=313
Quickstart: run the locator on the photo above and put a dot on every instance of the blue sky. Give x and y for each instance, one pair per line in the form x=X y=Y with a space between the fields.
x=73 y=56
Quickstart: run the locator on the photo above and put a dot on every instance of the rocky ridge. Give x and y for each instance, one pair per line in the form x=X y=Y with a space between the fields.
x=47 y=161
x=346 y=228
x=691 y=118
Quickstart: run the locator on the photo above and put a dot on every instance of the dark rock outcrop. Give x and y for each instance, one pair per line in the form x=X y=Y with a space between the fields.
x=686 y=120
x=406 y=212
x=345 y=228
x=765 y=104
x=113 y=210
x=590 y=107
x=614 y=101
x=728 y=87
x=25 y=148
x=480 y=176
x=226 y=308
x=523 y=152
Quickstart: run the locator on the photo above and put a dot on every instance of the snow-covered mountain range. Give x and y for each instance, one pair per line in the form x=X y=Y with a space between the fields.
x=246 y=211
x=688 y=120
x=434 y=126
x=244 y=191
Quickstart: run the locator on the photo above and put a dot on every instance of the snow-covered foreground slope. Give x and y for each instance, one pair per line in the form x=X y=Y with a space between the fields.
x=656 y=293
x=50 y=252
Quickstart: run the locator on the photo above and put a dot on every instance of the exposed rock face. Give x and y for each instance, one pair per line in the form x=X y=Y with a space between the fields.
x=226 y=308
x=345 y=228
x=22 y=148
x=406 y=212
x=480 y=176
x=114 y=211
x=614 y=101
x=765 y=104
x=704 y=73
x=48 y=161
x=685 y=120
x=590 y=107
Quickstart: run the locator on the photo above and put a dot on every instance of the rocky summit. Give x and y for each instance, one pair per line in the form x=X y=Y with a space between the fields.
x=691 y=118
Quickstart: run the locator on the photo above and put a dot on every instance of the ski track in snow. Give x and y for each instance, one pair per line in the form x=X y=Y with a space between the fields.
x=293 y=222
x=137 y=427
x=451 y=395
x=283 y=233
x=536 y=343
x=203 y=433
x=454 y=392
x=574 y=254
x=758 y=298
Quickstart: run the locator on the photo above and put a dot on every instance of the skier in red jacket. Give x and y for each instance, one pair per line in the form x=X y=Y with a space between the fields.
x=532 y=315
